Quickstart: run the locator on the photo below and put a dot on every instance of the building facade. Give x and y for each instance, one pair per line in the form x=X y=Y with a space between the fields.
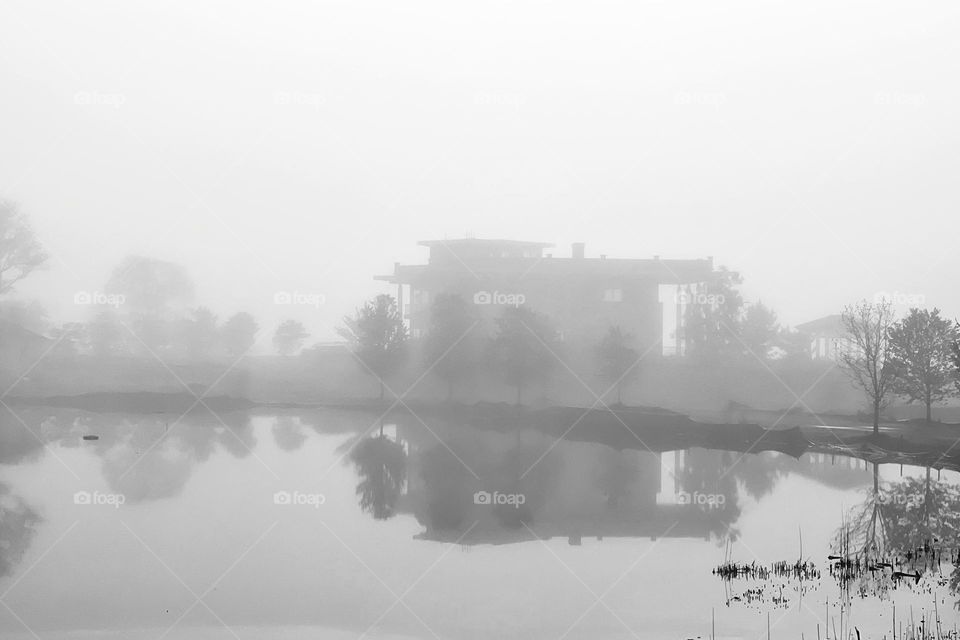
x=582 y=296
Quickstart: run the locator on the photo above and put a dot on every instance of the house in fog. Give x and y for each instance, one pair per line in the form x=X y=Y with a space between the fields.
x=826 y=338
x=582 y=296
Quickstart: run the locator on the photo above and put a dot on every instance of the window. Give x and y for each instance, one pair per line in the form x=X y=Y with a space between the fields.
x=613 y=295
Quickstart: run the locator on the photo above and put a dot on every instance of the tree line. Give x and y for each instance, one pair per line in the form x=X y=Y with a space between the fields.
x=916 y=357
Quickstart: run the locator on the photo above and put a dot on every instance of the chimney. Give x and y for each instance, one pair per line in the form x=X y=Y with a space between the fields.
x=577 y=250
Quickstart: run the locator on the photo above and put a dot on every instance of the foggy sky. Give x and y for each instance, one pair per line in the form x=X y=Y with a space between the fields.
x=813 y=146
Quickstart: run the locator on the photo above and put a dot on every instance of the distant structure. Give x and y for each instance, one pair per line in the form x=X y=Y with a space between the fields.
x=583 y=296
x=827 y=337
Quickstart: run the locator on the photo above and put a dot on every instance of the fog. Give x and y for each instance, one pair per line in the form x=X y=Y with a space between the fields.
x=309 y=145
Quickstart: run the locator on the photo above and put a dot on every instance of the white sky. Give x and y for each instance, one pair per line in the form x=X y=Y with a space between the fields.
x=305 y=146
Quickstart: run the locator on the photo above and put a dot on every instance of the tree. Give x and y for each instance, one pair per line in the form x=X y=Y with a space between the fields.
x=150 y=286
x=20 y=252
x=522 y=348
x=153 y=294
x=921 y=352
x=238 y=334
x=448 y=348
x=289 y=337
x=712 y=317
x=378 y=337
x=759 y=330
x=198 y=332
x=868 y=361
x=72 y=339
x=616 y=360
x=106 y=334
x=955 y=349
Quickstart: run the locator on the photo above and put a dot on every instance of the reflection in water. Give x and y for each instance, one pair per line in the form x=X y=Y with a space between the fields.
x=18 y=525
x=382 y=466
x=488 y=487
x=901 y=535
x=288 y=433
x=502 y=485
x=153 y=457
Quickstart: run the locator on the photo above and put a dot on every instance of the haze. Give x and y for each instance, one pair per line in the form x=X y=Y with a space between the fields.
x=811 y=146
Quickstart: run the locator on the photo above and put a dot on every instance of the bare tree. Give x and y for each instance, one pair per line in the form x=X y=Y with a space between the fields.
x=868 y=359
x=20 y=252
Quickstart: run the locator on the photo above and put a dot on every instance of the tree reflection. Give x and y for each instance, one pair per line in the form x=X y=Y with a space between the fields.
x=905 y=529
x=288 y=433
x=18 y=526
x=382 y=466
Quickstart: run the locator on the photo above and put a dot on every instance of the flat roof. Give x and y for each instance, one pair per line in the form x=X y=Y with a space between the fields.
x=484 y=241
x=665 y=271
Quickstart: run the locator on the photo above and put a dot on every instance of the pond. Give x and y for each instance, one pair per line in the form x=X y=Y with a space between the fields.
x=306 y=524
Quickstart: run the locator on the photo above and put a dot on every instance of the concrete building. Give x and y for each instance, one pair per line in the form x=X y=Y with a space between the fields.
x=582 y=296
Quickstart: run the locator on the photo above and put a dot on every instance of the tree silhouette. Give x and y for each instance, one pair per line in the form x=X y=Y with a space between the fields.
x=198 y=332
x=920 y=350
x=238 y=334
x=20 y=252
x=617 y=361
x=712 y=320
x=868 y=362
x=289 y=337
x=448 y=347
x=522 y=348
x=378 y=337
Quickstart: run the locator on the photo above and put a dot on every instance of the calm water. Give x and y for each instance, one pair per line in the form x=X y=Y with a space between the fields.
x=295 y=526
